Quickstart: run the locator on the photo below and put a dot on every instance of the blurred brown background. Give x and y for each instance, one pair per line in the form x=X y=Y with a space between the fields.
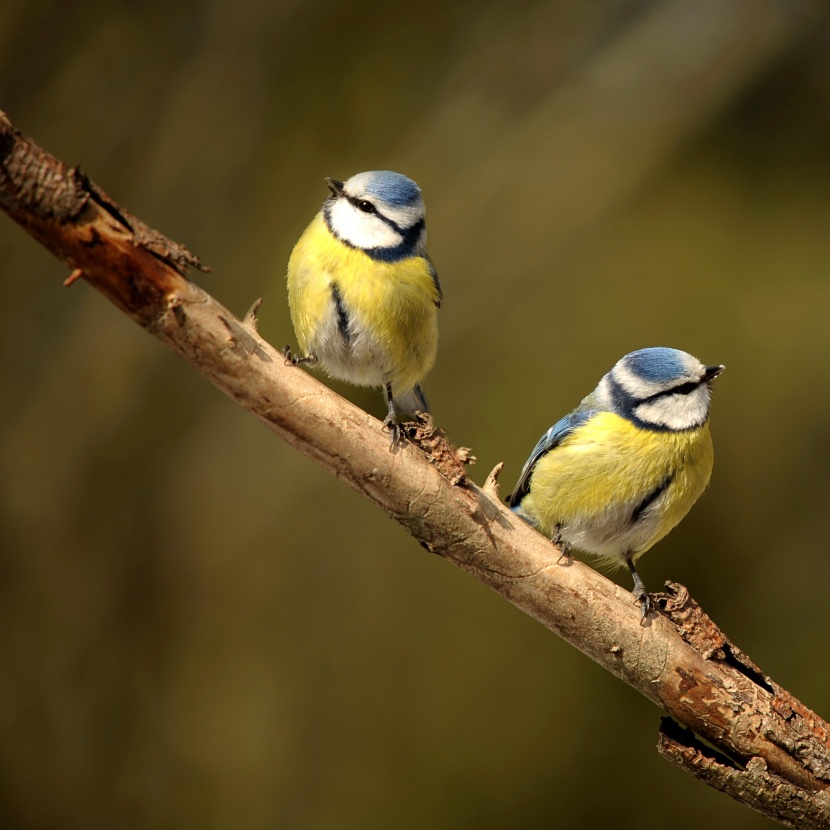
x=200 y=628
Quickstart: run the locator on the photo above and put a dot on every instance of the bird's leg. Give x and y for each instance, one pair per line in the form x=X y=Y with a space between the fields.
x=296 y=360
x=564 y=546
x=391 y=419
x=640 y=593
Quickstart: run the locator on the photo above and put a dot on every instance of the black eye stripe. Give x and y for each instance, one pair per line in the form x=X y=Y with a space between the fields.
x=363 y=205
x=368 y=208
x=683 y=389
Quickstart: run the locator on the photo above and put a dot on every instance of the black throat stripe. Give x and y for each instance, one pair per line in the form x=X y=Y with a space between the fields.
x=342 y=314
x=652 y=497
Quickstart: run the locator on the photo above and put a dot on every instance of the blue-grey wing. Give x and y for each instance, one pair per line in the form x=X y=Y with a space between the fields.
x=552 y=438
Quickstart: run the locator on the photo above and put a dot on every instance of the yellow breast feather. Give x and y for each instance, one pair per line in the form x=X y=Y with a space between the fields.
x=598 y=475
x=391 y=308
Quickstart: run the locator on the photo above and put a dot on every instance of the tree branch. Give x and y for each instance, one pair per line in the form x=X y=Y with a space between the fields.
x=772 y=753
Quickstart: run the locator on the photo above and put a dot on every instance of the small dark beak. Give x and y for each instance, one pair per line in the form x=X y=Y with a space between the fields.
x=712 y=372
x=334 y=186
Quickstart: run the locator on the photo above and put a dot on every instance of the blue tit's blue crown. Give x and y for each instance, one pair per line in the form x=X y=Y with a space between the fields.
x=394 y=189
x=658 y=364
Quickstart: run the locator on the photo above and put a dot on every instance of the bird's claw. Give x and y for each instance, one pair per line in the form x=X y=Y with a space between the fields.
x=390 y=422
x=564 y=547
x=644 y=599
x=289 y=356
x=296 y=360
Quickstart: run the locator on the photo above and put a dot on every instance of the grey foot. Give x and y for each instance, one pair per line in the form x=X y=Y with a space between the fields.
x=645 y=602
x=390 y=422
x=564 y=546
x=640 y=592
x=296 y=360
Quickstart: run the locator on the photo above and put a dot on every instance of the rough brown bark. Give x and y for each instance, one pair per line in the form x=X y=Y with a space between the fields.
x=773 y=753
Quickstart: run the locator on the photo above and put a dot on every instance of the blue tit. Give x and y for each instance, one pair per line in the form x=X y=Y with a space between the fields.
x=619 y=472
x=363 y=294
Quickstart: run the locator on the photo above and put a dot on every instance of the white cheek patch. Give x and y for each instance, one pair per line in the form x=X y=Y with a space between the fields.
x=362 y=230
x=676 y=411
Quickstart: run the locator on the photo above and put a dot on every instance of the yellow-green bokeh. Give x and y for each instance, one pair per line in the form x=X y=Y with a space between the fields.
x=199 y=627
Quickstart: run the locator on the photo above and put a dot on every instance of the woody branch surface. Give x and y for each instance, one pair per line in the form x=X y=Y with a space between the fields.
x=773 y=753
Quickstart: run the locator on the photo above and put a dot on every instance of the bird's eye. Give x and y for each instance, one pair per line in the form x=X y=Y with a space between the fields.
x=685 y=389
x=366 y=206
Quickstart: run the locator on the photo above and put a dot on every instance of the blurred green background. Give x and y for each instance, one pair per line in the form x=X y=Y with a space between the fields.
x=199 y=627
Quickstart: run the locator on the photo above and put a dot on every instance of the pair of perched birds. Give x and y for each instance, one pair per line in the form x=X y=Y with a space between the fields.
x=611 y=478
